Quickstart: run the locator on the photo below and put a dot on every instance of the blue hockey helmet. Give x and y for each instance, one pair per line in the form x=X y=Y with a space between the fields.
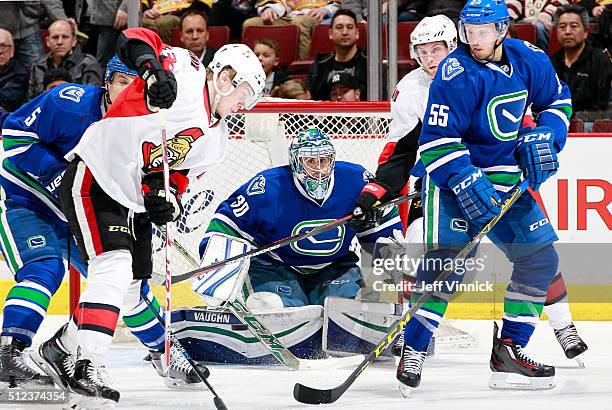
x=478 y=12
x=312 y=159
x=116 y=66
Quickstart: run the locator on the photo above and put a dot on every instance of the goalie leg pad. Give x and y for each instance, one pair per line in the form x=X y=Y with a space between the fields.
x=276 y=278
x=341 y=280
x=222 y=285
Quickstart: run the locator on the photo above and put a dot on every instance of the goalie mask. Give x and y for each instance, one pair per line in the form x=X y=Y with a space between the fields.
x=312 y=159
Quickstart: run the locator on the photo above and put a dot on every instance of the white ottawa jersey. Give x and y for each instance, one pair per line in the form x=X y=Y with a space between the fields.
x=126 y=144
x=408 y=103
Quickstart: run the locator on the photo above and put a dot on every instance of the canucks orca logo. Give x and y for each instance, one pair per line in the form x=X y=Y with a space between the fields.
x=257 y=186
x=72 y=92
x=451 y=69
x=37 y=241
x=505 y=114
x=324 y=244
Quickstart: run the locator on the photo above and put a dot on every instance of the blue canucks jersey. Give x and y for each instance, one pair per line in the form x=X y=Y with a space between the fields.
x=273 y=205
x=475 y=110
x=35 y=139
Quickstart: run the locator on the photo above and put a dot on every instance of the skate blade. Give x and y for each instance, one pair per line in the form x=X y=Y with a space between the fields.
x=80 y=402
x=46 y=368
x=405 y=390
x=176 y=384
x=580 y=362
x=512 y=381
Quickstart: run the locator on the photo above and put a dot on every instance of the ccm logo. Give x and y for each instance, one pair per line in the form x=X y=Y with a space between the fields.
x=537 y=137
x=538 y=224
x=467 y=182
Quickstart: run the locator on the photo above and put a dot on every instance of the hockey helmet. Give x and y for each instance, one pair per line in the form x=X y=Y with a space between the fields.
x=478 y=12
x=247 y=66
x=431 y=29
x=312 y=159
x=115 y=66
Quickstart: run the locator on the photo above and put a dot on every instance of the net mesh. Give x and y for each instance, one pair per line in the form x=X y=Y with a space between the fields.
x=259 y=140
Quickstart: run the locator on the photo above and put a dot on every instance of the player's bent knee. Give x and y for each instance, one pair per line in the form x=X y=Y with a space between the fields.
x=113 y=268
x=47 y=273
x=537 y=269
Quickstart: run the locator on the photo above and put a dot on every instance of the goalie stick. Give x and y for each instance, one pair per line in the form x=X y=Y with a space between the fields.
x=287 y=241
x=310 y=395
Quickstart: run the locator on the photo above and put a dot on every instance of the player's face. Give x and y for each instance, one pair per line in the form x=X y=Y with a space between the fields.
x=344 y=32
x=61 y=40
x=194 y=34
x=267 y=57
x=343 y=92
x=570 y=31
x=430 y=55
x=317 y=167
x=119 y=83
x=236 y=100
x=481 y=38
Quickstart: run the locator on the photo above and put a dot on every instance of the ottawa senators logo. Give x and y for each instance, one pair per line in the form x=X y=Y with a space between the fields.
x=178 y=148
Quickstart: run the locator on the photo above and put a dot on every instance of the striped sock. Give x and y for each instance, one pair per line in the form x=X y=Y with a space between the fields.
x=24 y=310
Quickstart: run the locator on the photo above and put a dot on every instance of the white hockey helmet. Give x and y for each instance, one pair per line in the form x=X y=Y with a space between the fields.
x=247 y=66
x=431 y=29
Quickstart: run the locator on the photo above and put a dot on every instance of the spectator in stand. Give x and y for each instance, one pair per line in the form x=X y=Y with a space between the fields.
x=13 y=75
x=267 y=52
x=102 y=21
x=291 y=89
x=539 y=13
x=65 y=53
x=55 y=77
x=304 y=14
x=344 y=87
x=232 y=13
x=593 y=7
x=22 y=18
x=415 y=10
x=583 y=67
x=163 y=16
x=347 y=57
x=194 y=35
x=601 y=13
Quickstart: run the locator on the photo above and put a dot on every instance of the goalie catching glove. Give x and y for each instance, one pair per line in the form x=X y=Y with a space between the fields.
x=160 y=209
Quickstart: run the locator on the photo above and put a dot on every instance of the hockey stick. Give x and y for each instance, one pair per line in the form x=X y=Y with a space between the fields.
x=168 y=243
x=310 y=395
x=286 y=241
x=216 y=399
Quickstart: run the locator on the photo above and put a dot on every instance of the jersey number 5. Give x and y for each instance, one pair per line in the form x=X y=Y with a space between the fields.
x=438 y=115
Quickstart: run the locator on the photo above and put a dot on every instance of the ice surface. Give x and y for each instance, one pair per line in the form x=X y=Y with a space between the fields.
x=453 y=379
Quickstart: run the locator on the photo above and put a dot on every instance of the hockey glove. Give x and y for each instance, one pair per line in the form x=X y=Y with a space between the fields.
x=537 y=155
x=160 y=83
x=365 y=216
x=159 y=208
x=478 y=200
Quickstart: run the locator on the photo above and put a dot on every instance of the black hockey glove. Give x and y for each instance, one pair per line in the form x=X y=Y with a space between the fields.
x=365 y=216
x=159 y=208
x=160 y=83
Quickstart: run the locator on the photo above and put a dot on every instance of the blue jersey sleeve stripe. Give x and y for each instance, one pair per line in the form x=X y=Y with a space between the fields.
x=227 y=221
x=445 y=159
x=503 y=168
x=18 y=133
x=561 y=114
x=567 y=101
x=437 y=142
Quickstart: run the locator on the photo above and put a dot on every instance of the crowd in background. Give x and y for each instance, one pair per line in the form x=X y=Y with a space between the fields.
x=47 y=43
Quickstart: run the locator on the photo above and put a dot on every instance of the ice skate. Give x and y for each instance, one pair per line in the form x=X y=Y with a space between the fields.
x=511 y=366
x=55 y=361
x=14 y=370
x=409 y=369
x=181 y=374
x=572 y=344
x=93 y=387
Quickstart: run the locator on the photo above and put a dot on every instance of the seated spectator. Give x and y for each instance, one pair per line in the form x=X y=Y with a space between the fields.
x=163 y=16
x=83 y=68
x=267 y=51
x=601 y=13
x=194 y=35
x=291 y=89
x=304 y=14
x=13 y=75
x=344 y=87
x=22 y=19
x=538 y=13
x=232 y=13
x=415 y=10
x=347 y=57
x=55 y=77
x=584 y=68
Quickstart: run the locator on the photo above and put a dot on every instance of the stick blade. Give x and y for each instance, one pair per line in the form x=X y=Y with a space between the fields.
x=308 y=395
